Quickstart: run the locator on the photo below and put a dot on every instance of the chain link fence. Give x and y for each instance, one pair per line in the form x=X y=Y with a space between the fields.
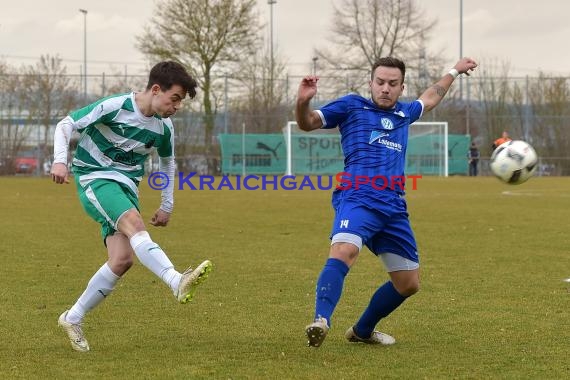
x=535 y=109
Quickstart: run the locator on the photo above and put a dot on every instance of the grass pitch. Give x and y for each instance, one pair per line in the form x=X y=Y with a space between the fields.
x=492 y=303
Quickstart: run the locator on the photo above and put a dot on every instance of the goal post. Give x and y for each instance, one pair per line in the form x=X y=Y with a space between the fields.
x=288 y=132
x=428 y=148
x=320 y=152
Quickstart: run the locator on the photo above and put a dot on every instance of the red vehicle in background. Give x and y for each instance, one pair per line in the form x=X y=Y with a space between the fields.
x=26 y=163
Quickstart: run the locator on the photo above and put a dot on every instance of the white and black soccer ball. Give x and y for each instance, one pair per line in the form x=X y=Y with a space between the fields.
x=514 y=162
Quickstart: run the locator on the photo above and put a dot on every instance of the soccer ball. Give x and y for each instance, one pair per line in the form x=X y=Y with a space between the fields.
x=514 y=162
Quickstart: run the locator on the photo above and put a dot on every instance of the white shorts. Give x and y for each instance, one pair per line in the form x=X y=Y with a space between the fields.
x=392 y=262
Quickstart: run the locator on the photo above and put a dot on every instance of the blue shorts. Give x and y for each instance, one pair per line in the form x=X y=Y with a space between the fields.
x=381 y=222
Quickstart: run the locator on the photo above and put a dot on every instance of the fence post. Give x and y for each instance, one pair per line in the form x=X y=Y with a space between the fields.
x=103 y=84
x=226 y=110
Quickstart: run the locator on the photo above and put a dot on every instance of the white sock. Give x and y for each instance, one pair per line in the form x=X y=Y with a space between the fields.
x=154 y=258
x=100 y=286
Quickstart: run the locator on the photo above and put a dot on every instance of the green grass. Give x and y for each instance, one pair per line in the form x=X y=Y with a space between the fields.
x=492 y=303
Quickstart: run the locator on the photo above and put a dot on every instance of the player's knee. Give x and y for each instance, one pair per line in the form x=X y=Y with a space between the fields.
x=346 y=252
x=410 y=288
x=121 y=264
x=407 y=287
x=131 y=222
x=413 y=288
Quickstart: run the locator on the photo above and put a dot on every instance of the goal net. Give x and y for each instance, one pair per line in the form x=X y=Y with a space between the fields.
x=320 y=152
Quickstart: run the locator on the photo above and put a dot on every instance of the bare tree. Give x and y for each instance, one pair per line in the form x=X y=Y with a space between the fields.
x=14 y=132
x=550 y=104
x=365 y=30
x=260 y=104
x=49 y=94
x=519 y=119
x=497 y=99
x=120 y=82
x=203 y=35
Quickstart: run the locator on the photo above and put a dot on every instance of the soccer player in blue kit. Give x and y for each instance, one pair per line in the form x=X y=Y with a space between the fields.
x=374 y=137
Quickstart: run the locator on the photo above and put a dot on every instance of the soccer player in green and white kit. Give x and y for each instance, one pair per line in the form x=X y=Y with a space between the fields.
x=117 y=135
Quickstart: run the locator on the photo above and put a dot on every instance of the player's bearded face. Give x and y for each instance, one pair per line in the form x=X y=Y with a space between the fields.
x=166 y=103
x=386 y=86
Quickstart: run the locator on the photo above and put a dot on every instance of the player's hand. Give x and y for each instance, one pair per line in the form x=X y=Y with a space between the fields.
x=465 y=65
x=59 y=173
x=160 y=218
x=307 y=88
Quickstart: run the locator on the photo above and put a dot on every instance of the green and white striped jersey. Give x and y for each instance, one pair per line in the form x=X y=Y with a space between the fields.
x=116 y=138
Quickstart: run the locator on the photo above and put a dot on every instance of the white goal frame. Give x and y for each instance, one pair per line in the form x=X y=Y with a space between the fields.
x=445 y=126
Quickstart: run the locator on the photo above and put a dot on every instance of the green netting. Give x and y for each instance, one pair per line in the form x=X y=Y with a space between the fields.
x=316 y=154
x=426 y=154
x=322 y=154
x=253 y=153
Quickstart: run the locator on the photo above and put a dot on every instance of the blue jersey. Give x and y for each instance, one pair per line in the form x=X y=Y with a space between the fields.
x=373 y=140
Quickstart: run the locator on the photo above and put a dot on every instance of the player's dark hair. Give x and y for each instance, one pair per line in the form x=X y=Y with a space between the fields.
x=169 y=73
x=389 y=62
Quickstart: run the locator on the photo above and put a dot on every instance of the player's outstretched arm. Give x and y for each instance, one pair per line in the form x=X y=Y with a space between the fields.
x=307 y=119
x=433 y=95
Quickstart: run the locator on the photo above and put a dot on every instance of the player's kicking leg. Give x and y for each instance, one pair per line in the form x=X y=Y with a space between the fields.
x=152 y=256
x=184 y=284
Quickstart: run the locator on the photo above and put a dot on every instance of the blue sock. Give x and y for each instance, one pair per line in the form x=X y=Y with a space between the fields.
x=329 y=288
x=384 y=301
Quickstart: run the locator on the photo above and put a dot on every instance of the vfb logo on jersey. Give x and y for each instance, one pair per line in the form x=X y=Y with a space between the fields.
x=386 y=123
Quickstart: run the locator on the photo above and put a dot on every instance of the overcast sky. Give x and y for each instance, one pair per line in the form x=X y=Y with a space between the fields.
x=529 y=35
